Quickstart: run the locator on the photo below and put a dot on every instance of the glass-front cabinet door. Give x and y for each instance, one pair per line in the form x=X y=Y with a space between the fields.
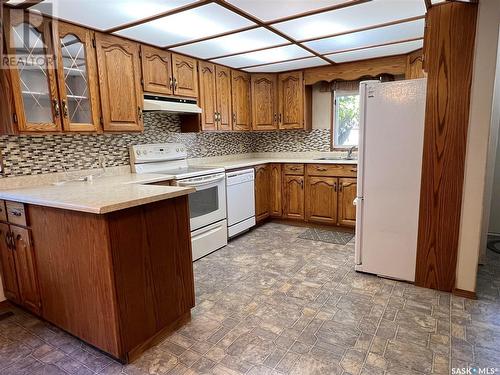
x=77 y=77
x=33 y=74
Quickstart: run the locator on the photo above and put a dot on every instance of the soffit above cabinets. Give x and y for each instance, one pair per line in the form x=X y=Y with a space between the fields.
x=255 y=35
x=106 y=14
x=204 y=21
x=235 y=43
x=370 y=53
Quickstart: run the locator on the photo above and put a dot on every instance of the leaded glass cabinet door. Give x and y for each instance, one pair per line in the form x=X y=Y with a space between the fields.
x=33 y=81
x=77 y=78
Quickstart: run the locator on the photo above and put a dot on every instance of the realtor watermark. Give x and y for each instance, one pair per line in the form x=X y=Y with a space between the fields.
x=474 y=370
x=26 y=47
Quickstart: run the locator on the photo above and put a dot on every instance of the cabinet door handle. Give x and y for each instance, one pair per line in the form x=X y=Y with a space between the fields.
x=275 y=117
x=175 y=83
x=215 y=117
x=65 y=108
x=15 y=213
x=302 y=184
x=234 y=118
x=335 y=187
x=139 y=113
x=280 y=119
x=55 y=103
x=171 y=83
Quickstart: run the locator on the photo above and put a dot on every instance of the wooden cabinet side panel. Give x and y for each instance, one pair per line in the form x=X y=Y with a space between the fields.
x=75 y=275
x=275 y=206
x=223 y=84
x=152 y=259
x=9 y=273
x=208 y=101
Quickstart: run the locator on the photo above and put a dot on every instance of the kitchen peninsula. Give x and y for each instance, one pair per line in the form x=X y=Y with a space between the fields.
x=107 y=260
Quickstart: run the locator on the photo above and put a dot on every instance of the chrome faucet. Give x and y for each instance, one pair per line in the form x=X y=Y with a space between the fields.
x=349 y=153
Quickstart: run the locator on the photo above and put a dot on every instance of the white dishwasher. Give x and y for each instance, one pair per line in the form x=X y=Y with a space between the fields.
x=240 y=201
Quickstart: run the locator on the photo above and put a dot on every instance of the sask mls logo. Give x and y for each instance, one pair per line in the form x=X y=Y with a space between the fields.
x=474 y=371
x=26 y=35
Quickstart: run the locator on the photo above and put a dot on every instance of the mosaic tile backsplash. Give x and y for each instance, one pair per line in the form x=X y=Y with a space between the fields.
x=27 y=155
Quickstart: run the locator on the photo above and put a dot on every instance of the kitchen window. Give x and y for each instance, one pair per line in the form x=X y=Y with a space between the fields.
x=346 y=118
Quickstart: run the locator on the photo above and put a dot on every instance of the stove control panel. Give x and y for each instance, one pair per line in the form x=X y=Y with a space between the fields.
x=150 y=153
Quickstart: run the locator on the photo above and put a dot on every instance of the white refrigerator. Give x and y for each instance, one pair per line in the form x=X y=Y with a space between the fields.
x=389 y=171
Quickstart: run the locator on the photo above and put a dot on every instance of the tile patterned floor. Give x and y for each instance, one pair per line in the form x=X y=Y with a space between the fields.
x=271 y=303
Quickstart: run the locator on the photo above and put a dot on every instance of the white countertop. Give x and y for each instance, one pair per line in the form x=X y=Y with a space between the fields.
x=99 y=196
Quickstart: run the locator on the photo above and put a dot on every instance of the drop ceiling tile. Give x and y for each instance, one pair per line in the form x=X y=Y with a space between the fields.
x=106 y=14
x=235 y=43
x=351 y=18
x=207 y=20
x=290 y=65
x=369 y=53
x=264 y=57
x=393 y=33
x=269 y=10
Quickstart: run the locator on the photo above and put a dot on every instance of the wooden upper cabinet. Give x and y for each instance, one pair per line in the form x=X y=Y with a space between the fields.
x=26 y=269
x=223 y=93
x=275 y=205
x=208 y=101
x=156 y=71
x=185 y=75
x=347 y=194
x=7 y=262
x=414 y=65
x=36 y=101
x=77 y=77
x=264 y=102
x=120 y=83
x=321 y=199
x=291 y=100
x=261 y=192
x=242 y=118
x=293 y=197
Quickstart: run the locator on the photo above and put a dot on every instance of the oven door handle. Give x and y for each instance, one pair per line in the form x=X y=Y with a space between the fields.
x=201 y=182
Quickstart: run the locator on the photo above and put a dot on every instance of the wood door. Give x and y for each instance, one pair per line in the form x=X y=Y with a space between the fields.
x=261 y=192
x=223 y=92
x=321 y=200
x=264 y=102
x=293 y=197
x=9 y=275
x=185 y=74
x=291 y=100
x=156 y=70
x=241 y=94
x=208 y=99
x=118 y=63
x=27 y=279
x=275 y=206
x=77 y=77
x=33 y=79
x=346 y=196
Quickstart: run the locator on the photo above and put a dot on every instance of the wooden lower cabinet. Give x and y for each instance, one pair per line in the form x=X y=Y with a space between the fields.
x=262 y=188
x=275 y=205
x=321 y=199
x=346 y=209
x=9 y=274
x=293 y=197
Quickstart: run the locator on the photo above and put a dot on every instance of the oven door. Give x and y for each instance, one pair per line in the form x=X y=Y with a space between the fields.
x=208 y=204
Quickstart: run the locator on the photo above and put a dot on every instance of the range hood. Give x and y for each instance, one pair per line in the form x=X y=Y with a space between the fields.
x=157 y=103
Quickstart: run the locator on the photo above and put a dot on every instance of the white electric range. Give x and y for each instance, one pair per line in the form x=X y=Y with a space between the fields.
x=207 y=205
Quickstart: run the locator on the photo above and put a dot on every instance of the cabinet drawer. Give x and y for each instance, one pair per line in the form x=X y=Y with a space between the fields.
x=334 y=170
x=3 y=212
x=295 y=169
x=16 y=213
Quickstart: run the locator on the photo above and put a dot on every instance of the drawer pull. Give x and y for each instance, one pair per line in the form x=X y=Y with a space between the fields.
x=321 y=169
x=16 y=213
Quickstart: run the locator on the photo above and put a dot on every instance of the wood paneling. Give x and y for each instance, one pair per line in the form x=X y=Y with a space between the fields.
x=264 y=102
x=242 y=106
x=157 y=71
x=85 y=36
x=262 y=188
x=275 y=204
x=291 y=100
x=208 y=99
x=223 y=92
x=293 y=197
x=118 y=63
x=354 y=70
x=185 y=73
x=321 y=200
x=414 y=67
x=9 y=274
x=75 y=274
x=451 y=33
x=346 y=209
